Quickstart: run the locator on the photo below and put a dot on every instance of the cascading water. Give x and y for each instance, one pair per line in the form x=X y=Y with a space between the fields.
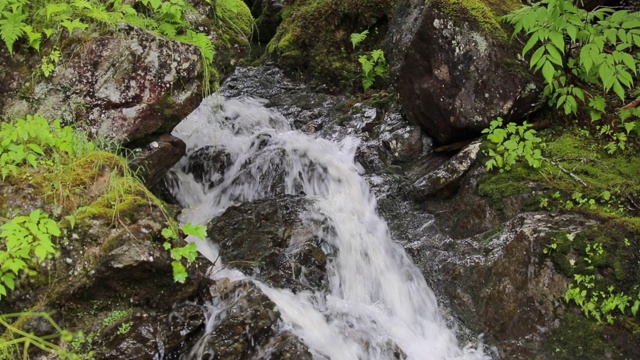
x=376 y=297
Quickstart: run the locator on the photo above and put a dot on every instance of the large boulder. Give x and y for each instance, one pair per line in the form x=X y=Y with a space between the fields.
x=455 y=68
x=123 y=87
x=500 y=282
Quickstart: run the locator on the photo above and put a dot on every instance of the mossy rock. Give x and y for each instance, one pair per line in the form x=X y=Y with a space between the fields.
x=607 y=250
x=314 y=38
x=486 y=13
x=238 y=16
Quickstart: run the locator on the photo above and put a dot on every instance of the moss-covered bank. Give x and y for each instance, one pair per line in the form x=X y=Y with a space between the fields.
x=602 y=262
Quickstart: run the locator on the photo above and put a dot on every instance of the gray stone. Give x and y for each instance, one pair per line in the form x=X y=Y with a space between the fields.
x=447 y=173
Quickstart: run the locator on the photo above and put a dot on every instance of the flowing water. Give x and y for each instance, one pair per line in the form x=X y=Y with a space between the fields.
x=376 y=297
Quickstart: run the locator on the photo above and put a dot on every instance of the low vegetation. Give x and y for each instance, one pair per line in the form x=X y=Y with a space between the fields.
x=586 y=162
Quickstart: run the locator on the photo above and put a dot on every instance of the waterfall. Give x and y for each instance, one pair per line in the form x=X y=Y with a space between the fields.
x=376 y=296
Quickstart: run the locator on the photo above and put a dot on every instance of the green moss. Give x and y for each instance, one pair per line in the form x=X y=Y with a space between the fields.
x=485 y=13
x=240 y=19
x=497 y=186
x=579 y=338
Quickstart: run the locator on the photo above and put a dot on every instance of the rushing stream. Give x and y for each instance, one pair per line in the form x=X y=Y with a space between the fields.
x=376 y=299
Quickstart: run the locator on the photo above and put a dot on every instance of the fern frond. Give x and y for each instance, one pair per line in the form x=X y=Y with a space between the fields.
x=168 y=30
x=202 y=42
x=82 y=4
x=141 y=22
x=102 y=15
x=11 y=27
x=357 y=38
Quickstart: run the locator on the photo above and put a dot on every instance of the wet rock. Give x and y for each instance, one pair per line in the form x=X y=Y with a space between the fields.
x=250 y=321
x=448 y=173
x=248 y=327
x=146 y=335
x=285 y=346
x=313 y=39
x=500 y=282
x=454 y=67
x=278 y=241
x=208 y=165
x=153 y=161
x=124 y=87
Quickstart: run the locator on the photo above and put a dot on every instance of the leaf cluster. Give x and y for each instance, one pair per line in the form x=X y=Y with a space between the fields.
x=32 y=140
x=583 y=56
x=374 y=64
x=188 y=252
x=512 y=143
x=22 y=239
x=599 y=304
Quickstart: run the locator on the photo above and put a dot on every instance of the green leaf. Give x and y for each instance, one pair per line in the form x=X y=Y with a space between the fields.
x=179 y=272
x=36 y=148
x=367 y=65
x=558 y=40
x=199 y=231
x=586 y=58
x=548 y=71
x=72 y=25
x=532 y=41
x=606 y=76
x=535 y=58
x=33 y=36
x=72 y=220
x=377 y=55
x=635 y=307
x=554 y=54
x=628 y=127
x=631 y=24
x=168 y=233
x=618 y=89
x=11 y=29
x=9 y=280
x=629 y=61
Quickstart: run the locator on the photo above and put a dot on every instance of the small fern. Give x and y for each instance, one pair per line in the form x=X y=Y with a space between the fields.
x=12 y=23
x=202 y=41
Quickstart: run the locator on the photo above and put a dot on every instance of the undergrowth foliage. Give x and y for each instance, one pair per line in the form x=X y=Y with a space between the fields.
x=585 y=57
x=512 y=144
x=589 y=63
x=80 y=181
x=24 y=238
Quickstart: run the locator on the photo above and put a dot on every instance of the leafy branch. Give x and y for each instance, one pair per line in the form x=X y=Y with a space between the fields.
x=188 y=252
